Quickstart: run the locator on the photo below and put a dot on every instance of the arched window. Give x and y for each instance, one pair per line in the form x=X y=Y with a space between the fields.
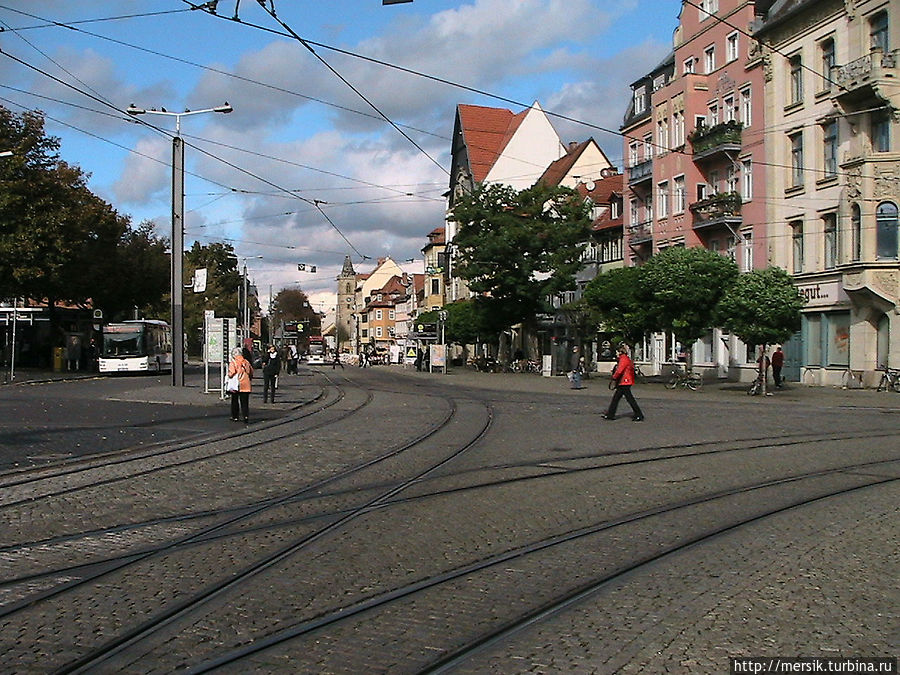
x=886 y=230
x=855 y=232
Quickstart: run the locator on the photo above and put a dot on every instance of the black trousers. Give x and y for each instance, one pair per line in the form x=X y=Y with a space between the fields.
x=269 y=386
x=623 y=390
x=240 y=402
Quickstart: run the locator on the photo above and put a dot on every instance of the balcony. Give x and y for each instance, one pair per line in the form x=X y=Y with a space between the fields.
x=640 y=233
x=710 y=142
x=871 y=79
x=643 y=171
x=723 y=208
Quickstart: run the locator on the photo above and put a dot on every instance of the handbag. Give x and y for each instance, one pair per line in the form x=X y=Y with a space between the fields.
x=232 y=384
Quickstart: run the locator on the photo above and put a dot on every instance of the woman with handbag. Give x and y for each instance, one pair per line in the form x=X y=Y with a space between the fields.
x=239 y=368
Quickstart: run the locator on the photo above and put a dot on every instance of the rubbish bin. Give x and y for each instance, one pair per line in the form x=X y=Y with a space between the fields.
x=59 y=358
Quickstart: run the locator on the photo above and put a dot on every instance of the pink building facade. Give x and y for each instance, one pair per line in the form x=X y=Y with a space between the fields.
x=694 y=148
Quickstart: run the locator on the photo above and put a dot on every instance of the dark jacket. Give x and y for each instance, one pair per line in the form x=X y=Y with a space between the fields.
x=271 y=364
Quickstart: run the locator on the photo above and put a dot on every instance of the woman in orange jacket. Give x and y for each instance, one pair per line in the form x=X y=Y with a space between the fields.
x=240 y=400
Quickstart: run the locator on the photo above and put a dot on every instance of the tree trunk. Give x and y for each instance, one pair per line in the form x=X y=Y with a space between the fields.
x=762 y=369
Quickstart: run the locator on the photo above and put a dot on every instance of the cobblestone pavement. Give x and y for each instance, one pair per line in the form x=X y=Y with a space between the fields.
x=814 y=575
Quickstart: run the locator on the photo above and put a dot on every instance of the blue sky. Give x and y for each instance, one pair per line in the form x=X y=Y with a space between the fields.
x=298 y=133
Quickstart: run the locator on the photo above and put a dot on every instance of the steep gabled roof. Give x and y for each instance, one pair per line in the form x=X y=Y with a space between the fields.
x=558 y=169
x=486 y=131
x=605 y=189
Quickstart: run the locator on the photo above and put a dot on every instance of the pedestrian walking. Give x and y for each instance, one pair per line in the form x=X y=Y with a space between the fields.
x=240 y=400
x=293 y=357
x=336 y=361
x=271 y=368
x=777 y=365
x=577 y=368
x=624 y=378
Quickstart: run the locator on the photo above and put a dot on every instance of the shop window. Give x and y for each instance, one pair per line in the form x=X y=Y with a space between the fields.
x=886 y=230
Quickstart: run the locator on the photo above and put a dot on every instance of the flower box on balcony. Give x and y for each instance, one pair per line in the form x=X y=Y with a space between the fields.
x=719 y=204
x=705 y=138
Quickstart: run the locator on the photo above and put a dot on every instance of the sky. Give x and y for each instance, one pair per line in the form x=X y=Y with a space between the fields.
x=339 y=142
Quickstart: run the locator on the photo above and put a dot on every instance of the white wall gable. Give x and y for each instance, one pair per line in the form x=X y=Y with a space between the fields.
x=587 y=167
x=533 y=147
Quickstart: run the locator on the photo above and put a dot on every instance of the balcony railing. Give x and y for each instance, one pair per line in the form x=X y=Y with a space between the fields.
x=859 y=72
x=640 y=172
x=710 y=141
x=719 y=209
x=640 y=233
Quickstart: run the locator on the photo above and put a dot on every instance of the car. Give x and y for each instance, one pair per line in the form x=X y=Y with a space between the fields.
x=315 y=360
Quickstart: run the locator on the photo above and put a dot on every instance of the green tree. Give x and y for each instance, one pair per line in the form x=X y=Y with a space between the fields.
x=223 y=282
x=613 y=300
x=517 y=249
x=465 y=324
x=761 y=307
x=679 y=289
x=58 y=240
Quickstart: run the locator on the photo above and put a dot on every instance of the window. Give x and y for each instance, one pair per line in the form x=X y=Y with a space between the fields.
x=648 y=146
x=392 y=315
x=633 y=212
x=714 y=180
x=709 y=59
x=830 y=142
x=707 y=8
x=662 y=136
x=731 y=179
x=746 y=107
x=747 y=179
x=855 y=232
x=829 y=222
x=702 y=191
x=689 y=65
x=796 y=159
x=878 y=26
x=731 y=48
x=379 y=331
x=797 y=245
x=640 y=100
x=633 y=153
x=662 y=202
x=747 y=253
x=729 y=111
x=678 y=206
x=886 y=231
x=713 y=115
x=379 y=314
x=796 y=88
x=435 y=286
x=678 y=129
x=881 y=132
x=826 y=51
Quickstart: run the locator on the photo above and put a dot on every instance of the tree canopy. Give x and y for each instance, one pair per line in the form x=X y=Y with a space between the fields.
x=613 y=298
x=516 y=249
x=60 y=241
x=761 y=307
x=679 y=289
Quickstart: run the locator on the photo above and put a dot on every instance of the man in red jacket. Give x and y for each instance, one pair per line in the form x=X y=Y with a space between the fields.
x=624 y=377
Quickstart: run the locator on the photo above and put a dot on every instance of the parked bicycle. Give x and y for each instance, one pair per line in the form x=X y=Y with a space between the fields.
x=757 y=386
x=686 y=379
x=890 y=379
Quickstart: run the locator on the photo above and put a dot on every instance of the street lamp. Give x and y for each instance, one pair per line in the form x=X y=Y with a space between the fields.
x=177 y=274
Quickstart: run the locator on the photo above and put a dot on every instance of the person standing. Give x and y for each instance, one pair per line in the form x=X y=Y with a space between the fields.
x=577 y=370
x=777 y=365
x=624 y=378
x=271 y=368
x=293 y=357
x=336 y=361
x=240 y=399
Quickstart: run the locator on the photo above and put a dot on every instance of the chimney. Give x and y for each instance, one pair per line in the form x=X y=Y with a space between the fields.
x=573 y=145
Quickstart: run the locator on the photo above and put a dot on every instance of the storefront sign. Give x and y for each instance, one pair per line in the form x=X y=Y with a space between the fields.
x=823 y=294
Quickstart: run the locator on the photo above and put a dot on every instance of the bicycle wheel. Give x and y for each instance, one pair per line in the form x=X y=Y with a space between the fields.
x=695 y=381
x=883 y=384
x=895 y=385
x=672 y=383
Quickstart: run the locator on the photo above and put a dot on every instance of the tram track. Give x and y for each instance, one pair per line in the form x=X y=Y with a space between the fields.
x=360 y=613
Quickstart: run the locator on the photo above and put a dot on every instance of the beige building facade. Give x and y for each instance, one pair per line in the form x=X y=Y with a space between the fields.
x=833 y=180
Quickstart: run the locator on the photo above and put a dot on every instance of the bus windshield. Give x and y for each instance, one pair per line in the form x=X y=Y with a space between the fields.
x=123 y=341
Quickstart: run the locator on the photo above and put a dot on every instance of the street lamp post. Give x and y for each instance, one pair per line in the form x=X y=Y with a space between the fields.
x=177 y=273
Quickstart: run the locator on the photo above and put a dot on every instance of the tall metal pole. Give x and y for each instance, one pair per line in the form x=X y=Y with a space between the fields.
x=12 y=360
x=177 y=260
x=246 y=319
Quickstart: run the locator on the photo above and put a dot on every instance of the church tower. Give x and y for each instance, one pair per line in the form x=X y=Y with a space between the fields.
x=345 y=313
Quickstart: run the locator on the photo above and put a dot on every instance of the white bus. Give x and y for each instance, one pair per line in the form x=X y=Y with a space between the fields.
x=136 y=347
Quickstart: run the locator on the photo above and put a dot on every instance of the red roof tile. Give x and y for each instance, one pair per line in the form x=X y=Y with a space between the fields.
x=486 y=131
